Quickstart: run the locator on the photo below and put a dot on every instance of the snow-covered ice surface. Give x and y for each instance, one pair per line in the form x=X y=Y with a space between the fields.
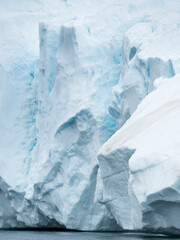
x=72 y=73
x=143 y=157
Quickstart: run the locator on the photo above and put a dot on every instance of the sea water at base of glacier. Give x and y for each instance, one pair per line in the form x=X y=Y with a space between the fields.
x=44 y=235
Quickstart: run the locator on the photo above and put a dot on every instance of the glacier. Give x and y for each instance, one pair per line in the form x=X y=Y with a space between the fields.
x=74 y=74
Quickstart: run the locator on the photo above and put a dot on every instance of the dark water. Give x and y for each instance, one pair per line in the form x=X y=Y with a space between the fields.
x=33 y=235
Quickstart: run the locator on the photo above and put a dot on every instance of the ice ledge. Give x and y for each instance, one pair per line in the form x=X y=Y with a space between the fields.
x=146 y=181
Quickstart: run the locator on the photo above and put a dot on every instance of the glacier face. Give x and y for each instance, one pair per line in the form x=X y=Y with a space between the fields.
x=63 y=110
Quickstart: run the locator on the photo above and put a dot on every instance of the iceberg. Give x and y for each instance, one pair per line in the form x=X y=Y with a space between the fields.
x=74 y=74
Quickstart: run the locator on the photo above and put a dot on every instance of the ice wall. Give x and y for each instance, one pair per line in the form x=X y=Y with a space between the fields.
x=69 y=132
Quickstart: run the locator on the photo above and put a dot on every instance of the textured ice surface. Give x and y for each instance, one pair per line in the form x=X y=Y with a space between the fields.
x=74 y=73
x=149 y=51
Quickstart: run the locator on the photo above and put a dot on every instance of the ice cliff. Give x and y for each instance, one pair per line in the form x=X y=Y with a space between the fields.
x=74 y=74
